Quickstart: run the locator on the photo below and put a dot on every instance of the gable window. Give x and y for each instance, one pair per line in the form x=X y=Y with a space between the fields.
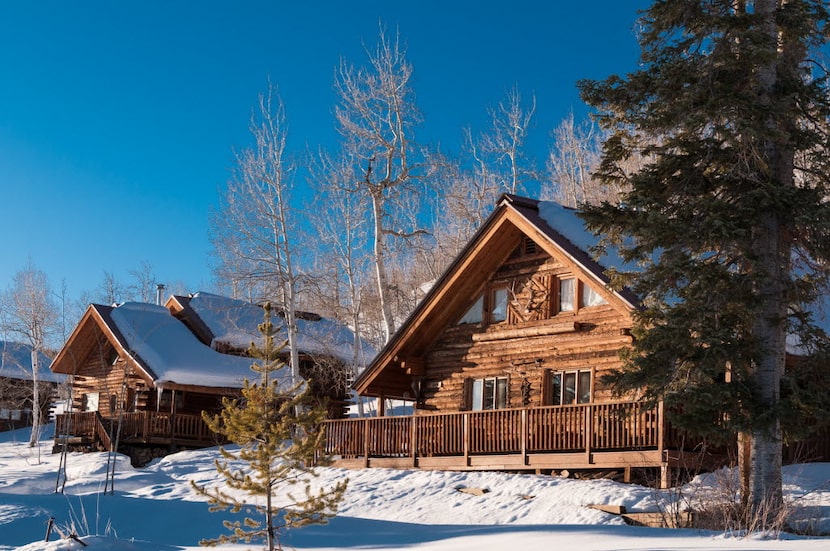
x=489 y=393
x=589 y=297
x=90 y=401
x=570 y=387
x=567 y=292
x=498 y=304
x=476 y=312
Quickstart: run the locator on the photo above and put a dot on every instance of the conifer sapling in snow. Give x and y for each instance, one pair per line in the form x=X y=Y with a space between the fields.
x=278 y=432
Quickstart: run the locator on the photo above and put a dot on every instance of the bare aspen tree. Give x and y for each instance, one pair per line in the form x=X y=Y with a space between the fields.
x=343 y=231
x=254 y=232
x=504 y=144
x=143 y=286
x=30 y=315
x=111 y=291
x=376 y=116
x=492 y=162
x=575 y=154
x=469 y=193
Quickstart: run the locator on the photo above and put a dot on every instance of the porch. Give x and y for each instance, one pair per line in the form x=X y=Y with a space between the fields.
x=617 y=435
x=90 y=428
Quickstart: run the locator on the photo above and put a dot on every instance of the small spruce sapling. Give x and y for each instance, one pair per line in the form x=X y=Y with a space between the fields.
x=279 y=434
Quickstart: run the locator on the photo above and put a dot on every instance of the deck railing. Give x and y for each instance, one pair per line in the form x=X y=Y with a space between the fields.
x=550 y=429
x=140 y=426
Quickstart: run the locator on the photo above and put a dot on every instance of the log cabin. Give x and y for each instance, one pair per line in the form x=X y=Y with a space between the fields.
x=142 y=374
x=16 y=386
x=503 y=360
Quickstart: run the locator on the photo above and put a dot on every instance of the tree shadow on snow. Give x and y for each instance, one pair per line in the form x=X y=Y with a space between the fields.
x=349 y=532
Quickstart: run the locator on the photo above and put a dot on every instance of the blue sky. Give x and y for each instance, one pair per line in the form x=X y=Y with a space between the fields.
x=118 y=120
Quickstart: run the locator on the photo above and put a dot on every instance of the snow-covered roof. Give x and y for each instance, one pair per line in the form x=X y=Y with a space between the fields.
x=568 y=224
x=166 y=346
x=16 y=363
x=235 y=323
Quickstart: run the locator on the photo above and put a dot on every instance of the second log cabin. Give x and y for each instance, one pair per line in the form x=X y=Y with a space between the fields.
x=142 y=374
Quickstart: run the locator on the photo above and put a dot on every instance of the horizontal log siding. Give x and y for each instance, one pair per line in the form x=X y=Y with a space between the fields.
x=595 y=347
x=98 y=375
x=524 y=357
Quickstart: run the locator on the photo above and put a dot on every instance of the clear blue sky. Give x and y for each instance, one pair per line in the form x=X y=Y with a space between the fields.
x=118 y=119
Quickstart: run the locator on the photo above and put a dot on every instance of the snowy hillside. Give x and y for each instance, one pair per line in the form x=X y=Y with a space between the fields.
x=155 y=508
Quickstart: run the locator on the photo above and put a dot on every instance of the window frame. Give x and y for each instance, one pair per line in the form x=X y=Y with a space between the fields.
x=583 y=290
x=499 y=393
x=494 y=303
x=573 y=291
x=558 y=387
x=475 y=313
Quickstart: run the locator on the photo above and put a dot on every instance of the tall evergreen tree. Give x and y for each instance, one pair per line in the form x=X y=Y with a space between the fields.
x=278 y=433
x=728 y=220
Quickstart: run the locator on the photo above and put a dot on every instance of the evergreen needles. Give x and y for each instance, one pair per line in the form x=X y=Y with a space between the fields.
x=728 y=219
x=279 y=433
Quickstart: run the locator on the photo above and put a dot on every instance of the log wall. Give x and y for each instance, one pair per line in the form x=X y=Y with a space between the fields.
x=534 y=339
x=115 y=381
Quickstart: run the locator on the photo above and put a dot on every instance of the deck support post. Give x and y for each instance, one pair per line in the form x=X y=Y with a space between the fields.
x=665 y=476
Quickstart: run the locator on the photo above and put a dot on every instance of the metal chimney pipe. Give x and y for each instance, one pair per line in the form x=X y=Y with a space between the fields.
x=159 y=293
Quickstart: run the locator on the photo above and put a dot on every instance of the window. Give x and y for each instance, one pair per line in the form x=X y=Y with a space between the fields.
x=498 y=305
x=589 y=297
x=567 y=289
x=490 y=393
x=570 y=387
x=475 y=313
x=90 y=401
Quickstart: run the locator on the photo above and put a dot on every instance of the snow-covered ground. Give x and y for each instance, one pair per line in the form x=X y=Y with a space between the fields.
x=155 y=508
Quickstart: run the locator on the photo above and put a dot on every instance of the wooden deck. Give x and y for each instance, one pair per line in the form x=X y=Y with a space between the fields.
x=618 y=435
x=143 y=427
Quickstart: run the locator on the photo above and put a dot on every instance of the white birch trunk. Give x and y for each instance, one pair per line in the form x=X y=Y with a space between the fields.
x=380 y=267
x=36 y=422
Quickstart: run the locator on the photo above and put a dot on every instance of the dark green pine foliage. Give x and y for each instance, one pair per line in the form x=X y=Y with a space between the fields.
x=726 y=226
x=278 y=431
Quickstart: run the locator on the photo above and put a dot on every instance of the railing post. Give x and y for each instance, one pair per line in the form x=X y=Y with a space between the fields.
x=589 y=433
x=465 y=433
x=413 y=441
x=661 y=428
x=366 y=428
x=524 y=432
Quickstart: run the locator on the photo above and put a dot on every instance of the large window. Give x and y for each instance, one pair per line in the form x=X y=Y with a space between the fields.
x=490 y=393
x=498 y=304
x=475 y=313
x=567 y=292
x=589 y=297
x=90 y=401
x=570 y=387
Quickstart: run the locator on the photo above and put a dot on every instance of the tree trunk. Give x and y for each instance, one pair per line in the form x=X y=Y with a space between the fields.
x=35 y=436
x=772 y=266
x=380 y=267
